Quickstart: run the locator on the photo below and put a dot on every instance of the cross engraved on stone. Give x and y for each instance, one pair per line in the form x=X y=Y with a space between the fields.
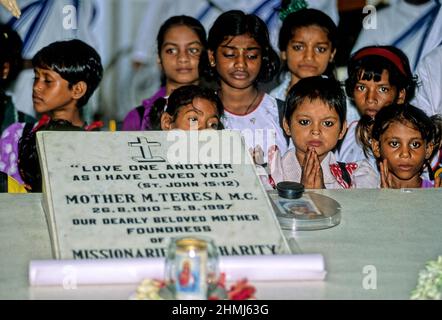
x=146 y=153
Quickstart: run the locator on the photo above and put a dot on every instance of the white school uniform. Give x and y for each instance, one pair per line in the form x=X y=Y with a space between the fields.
x=351 y=150
x=259 y=127
x=429 y=93
x=361 y=172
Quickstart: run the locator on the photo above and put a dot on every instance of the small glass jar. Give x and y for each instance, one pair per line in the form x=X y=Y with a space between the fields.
x=191 y=266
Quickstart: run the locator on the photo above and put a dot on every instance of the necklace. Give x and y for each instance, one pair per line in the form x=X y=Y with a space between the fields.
x=249 y=106
x=252 y=103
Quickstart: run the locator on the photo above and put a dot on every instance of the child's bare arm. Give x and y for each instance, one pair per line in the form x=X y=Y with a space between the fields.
x=437 y=182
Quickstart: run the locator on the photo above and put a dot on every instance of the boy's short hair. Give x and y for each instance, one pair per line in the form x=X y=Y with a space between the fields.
x=327 y=90
x=74 y=61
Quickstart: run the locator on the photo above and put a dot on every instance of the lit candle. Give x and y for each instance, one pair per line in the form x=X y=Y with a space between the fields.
x=191 y=264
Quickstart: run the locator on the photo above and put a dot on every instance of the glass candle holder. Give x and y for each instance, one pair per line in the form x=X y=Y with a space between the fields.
x=191 y=266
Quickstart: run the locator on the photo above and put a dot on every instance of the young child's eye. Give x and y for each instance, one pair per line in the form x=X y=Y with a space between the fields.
x=360 y=88
x=228 y=54
x=328 y=123
x=213 y=125
x=304 y=122
x=195 y=51
x=297 y=47
x=384 y=89
x=321 y=49
x=171 y=51
x=252 y=56
x=45 y=80
x=415 y=144
x=393 y=144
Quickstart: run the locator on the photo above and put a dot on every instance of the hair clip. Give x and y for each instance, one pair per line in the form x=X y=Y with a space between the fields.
x=295 y=5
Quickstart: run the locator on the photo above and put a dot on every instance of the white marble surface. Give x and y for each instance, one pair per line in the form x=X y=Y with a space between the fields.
x=395 y=232
x=139 y=189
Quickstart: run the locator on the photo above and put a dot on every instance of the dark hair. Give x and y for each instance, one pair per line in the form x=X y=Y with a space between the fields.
x=74 y=61
x=234 y=23
x=369 y=62
x=429 y=127
x=405 y=114
x=179 y=98
x=28 y=162
x=306 y=18
x=181 y=20
x=327 y=90
x=11 y=47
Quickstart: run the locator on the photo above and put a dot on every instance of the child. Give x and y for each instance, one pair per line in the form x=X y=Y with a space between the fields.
x=241 y=57
x=403 y=140
x=66 y=75
x=10 y=66
x=414 y=26
x=28 y=162
x=307 y=44
x=44 y=22
x=315 y=119
x=378 y=77
x=181 y=41
x=191 y=107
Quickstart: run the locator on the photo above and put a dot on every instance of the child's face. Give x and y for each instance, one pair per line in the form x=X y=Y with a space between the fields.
x=308 y=53
x=314 y=125
x=51 y=91
x=180 y=55
x=201 y=114
x=371 y=96
x=404 y=149
x=238 y=61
